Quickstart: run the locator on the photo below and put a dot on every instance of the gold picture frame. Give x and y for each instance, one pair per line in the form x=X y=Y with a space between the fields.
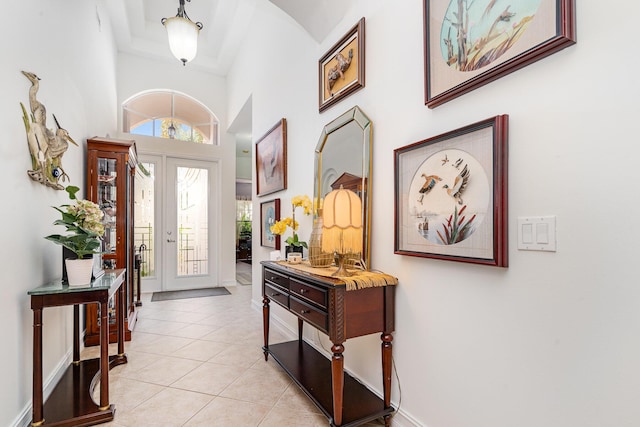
x=341 y=69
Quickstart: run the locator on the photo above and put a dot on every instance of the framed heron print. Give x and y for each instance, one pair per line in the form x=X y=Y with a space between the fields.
x=451 y=195
x=269 y=214
x=469 y=43
x=271 y=160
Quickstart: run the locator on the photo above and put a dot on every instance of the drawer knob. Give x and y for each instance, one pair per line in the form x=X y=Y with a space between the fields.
x=305 y=311
x=276 y=294
x=302 y=291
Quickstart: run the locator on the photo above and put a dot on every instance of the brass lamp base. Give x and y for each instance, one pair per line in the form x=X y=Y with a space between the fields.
x=342 y=270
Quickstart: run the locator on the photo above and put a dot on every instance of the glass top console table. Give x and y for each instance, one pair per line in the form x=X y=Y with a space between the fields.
x=71 y=402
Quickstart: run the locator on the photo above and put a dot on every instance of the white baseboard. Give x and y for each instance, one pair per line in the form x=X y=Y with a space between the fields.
x=24 y=418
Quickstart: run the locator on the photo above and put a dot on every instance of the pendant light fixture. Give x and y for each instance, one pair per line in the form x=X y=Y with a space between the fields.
x=183 y=34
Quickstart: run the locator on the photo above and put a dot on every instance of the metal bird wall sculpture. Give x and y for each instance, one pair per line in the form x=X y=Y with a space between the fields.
x=45 y=146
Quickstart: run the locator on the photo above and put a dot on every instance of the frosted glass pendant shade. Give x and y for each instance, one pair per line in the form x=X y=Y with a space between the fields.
x=183 y=37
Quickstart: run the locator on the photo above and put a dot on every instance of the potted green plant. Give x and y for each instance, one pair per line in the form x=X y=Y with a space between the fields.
x=83 y=223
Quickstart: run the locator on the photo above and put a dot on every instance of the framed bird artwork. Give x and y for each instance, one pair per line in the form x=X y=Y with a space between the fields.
x=468 y=44
x=269 y=214
x=451 y=195
x=271 y=160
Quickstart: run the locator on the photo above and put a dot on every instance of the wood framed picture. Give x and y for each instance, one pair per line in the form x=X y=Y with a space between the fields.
x=451 y=195
x=269 y=214
x=341 y=69
x=271 y=160
x=469 y=44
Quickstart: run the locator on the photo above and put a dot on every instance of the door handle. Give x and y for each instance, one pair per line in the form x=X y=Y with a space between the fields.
x=171 y=240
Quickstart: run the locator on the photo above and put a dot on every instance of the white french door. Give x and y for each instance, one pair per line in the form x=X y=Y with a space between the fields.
x=190 y=224
x=176 y=223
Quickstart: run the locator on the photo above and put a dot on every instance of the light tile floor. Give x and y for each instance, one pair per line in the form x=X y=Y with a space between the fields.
x=199 y=362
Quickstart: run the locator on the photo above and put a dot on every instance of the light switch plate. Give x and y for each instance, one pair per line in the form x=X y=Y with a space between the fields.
x=537 y=233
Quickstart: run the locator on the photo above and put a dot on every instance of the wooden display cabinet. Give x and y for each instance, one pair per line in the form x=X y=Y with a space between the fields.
x=111 y=166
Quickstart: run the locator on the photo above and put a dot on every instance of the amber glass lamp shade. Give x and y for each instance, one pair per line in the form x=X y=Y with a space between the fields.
x=342 y=226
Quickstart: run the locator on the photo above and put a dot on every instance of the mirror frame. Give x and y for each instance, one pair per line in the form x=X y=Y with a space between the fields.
x=357 y=116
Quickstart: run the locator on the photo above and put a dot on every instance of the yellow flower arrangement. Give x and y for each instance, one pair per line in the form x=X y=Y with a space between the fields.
x=280 y=227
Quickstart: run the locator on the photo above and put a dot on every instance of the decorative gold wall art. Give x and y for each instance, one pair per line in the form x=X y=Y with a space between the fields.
x=46 y=146
x=341 y=69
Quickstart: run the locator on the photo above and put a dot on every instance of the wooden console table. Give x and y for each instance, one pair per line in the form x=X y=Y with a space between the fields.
x=325 y=303
x=71 y=402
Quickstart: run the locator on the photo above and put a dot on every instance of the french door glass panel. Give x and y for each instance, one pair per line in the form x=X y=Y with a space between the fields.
x=193 y=225
x=148 y=216
x=145 y=219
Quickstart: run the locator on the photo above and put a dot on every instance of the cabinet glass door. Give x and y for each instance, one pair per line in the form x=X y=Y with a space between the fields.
x=107 y=199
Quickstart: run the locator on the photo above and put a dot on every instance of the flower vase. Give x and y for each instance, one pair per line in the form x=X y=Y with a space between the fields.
x=79 y=271
x=317 y=257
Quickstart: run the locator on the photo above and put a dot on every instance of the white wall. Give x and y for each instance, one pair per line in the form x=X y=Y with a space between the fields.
x=553 y=339
x=78 y=86
x=137 y=74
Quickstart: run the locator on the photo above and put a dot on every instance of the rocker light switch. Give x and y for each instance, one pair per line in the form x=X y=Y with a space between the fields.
x=527 y=233
x=537 y=233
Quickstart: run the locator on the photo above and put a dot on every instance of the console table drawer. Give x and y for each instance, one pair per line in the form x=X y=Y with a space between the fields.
x=277 y=295
x=277 y=278
x=309 y=292
x=309 y=313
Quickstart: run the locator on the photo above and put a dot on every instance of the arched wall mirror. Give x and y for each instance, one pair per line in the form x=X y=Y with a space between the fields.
x=343 y=157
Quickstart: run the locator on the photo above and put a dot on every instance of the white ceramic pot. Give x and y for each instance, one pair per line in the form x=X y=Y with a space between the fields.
x=79 y=271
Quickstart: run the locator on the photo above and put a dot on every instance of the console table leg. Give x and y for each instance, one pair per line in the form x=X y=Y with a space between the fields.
x=104 y=355
x=76 y=334
x=387 y=362
x=37 y=369
x=265 y=326
x=337 y=381
x=300 y=326
x=120 y=310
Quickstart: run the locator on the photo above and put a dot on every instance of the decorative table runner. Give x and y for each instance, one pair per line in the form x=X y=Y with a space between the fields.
x=361 y=279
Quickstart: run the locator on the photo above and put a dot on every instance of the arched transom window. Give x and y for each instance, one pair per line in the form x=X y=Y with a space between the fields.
x=169 y=114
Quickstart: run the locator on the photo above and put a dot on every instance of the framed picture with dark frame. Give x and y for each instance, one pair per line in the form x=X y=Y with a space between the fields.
x=451 y=195
x=269 y=214
x=271 y=160
x=469 y=44
x=341 y=69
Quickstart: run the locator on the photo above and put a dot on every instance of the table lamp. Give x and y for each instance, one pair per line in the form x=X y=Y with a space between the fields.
x=342 y=226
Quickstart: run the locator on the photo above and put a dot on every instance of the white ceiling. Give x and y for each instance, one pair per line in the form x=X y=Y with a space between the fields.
x=138 y=31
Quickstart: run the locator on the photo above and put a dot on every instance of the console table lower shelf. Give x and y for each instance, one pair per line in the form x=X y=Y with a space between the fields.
x=310 y=370
x=77 y=385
